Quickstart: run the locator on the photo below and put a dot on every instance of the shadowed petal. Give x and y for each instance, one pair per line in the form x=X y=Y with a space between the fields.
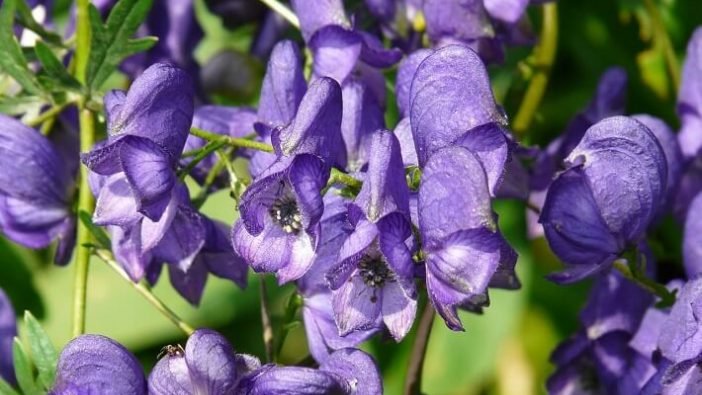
x=283 y=86
x=189 y=283
x=336 y=51
x=403 y=132
x=405 y=74
x=692 y=241
x=211 y=362
x=356 y=306
x=291 y=380
x=357 y=368
x=315 y=14
x=362 y=116
x=170 y=376
x=308 y=175
x=116 y=204
x=183 y=239
x=681 y=334
x=489 y=143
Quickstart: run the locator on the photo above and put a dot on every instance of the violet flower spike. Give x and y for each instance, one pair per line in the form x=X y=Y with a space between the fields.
x=94 y=364
x=280 y=211
x=464 y=251
x=373 y=280
x=36 y=190
x=604 y=202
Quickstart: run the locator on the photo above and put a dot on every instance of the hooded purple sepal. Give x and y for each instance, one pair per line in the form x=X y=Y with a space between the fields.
x=465 y=21
x=208 y=366
x=507 y=11
x=681 y=338
x=464 y=250
x=36 y=186
x=690 y=98
x=283 y=85
x=405 y=74
x=314 y=15
x=362 y=116
x=94 y=364
x=8 y=331
x=147 y=130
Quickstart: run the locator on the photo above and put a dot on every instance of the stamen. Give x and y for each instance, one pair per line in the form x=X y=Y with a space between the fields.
x=286 y=214
x=375 y=272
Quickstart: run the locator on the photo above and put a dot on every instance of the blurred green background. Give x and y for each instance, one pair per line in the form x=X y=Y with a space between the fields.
x=504 y=351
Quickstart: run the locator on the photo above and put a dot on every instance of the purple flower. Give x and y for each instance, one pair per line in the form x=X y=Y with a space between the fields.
x=36 y=190
x=346 y=371
x=147 y=129
x=280 y=211
x=373 y=280
x=606 y=199
x=690 y=98
x=315 y=14
x=94 y=364
x=208 y=366
x=317 y=312
x=8 y=331
x=451 y=103
x=464 y=251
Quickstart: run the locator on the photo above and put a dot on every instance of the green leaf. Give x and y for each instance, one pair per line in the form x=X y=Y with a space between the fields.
x=23 y=369
x=112 y=41
x=98 y=232
x=54 y=68
x=26 y=19
x=16 y=105
x=43 y=351
x=6 y=389
x=12 y=61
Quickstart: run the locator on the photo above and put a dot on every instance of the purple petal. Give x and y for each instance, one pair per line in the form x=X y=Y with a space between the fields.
x=351 y=251
x=405 y=74
x=681 y=334
x=97 y=364
x=150 y=175
x=114 y=102
x=336 y=51
x=450 y=95
x=384 y=190
x=171 y=376
x=356 y=306
x=403 y=132
x=31 y=223
x=458 y=20
x=453 y=194
x=508 y=11
x=8 y=331
x=362 y=116
x=316 y=128
x=189 y=283
x=158 y=107
x=692 y=239
x=382 y=9
x=272 y=379
x=211 y=362
x=645 y=340
x=183 y=239
x=283 y=86
x=399 y=309
x=260 y=195
x=218 y=255
x=393 y=231
x=357 y=368
x=690 y=97
x=307 y=176
x=126 y=245
x=116 y=204
x=315 y=14
x=490 y=144
x=574 y=227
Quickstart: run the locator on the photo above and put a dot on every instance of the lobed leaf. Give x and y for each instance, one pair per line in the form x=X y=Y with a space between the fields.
x=12 y=60
x=43 y=352
x=54 y=68
x=23 y=370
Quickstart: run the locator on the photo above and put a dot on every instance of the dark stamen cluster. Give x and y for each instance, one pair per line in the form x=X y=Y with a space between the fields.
x=375 y=271
x=286 y=214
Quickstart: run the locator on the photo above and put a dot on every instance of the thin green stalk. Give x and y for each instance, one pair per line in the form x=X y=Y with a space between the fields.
x=233 y=141
x=294 y=304
x=48 y=114
x=208 y=149
x=667 y=298
x=86 y=202
x=544 y=56
x=144 y=290
x=339 y=177
x=283 y=11
x=266 y=320
x=413 y=380
x=82 y=39
x=662 y=34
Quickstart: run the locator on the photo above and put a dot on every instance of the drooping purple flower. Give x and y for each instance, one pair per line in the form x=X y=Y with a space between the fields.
x=451 y=103
x=317 y=312
x=36 y=190
x=94 y=364
x=373 y=280
x=606 y=199
x=208 y=366
x=147 y=129
x=690 y=98
x=280 y=212
x=464 y=251
x=8 y=331
x=228 y=121
x=596 y=358
x=346 y=371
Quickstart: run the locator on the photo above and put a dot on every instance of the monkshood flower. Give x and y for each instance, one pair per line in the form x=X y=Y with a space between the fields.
x=373 y=280
x=595 y=359
x=94 y=364
x=464 y=251
x=228 y=121
x=147 y=128
x=451 y=103
x=604 y=202
x=346 y=371
x=280 y=211
x=207 y=366
x=36 y=190
x=690 y=98
x=317 y=312
x=283 y=87
x=692 y=239
x=8 y=331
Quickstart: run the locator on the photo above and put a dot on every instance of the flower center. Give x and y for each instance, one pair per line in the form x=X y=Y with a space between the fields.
x=375 y=271
x=286 y=214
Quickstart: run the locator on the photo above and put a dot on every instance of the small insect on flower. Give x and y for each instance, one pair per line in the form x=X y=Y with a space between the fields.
x=171 y=351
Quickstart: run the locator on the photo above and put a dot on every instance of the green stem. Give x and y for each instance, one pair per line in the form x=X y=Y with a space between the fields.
x=144 y=290
x=667 y=298
x=413 y=380
x=48 y=114
x=339 y=177
x=294 y=304
x=233 y=141
x=662 y=34
x=544 y=56
x=208 y=149
x=266 y=320
x=283 y=11
x=83 y=38
x=86 y=203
